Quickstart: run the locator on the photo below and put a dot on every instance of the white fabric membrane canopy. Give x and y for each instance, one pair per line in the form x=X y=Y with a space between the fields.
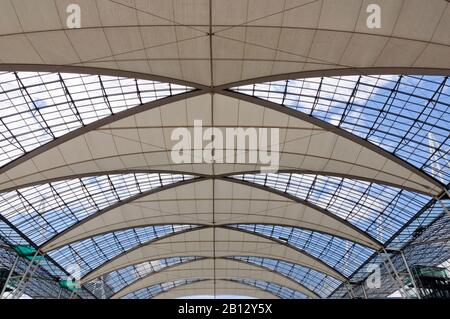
x=105 y=98
x=239 y=39
x=214 y=243
x=144 y=142
x=193 y=202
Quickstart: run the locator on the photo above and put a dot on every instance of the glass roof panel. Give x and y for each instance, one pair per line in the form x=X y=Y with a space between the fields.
x=280 y=291
x=407 y=115
x=37 y=107
x=318 y=282
x=377 y=209
x=43 y=211
x=152 y=291
x=90 y=253
x=342 y=255
x=123 y=277
x=416 y=226
x=424 y=241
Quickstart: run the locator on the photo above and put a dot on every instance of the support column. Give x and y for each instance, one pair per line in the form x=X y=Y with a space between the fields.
x=364 y=290
x=350 y=290
x=11 y=272
x=29 y=272
x=413 y=280
x=396 y=275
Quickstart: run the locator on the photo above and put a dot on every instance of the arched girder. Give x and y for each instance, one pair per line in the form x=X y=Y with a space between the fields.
x=44 y=149
x=215 y=269
x=429 y=184
x=131 y=142
x=216 y=288
x=208 y=201
x=106 y=172
x=358 y=236
x=53 y=242
x=337 y=72
x=313 y=172
x=213 y=242
x=55 y=68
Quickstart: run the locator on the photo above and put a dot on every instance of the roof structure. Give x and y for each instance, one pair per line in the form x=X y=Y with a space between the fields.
x=87 y=176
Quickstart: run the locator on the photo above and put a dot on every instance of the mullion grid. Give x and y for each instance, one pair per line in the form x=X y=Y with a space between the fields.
x=427 y=247
x=152 y=291
x=35 y=108
x=40 y=223
x=56 y=91
x=45 y=282
x=17 y=124
x=43 y=95
x=342 y=255
x=70 y=100
x=90 y=106
x=412 y=142
x=418 y=225
x=380 y=210
x=419 y=100
x=92 y=252
x=63 y=102
x=413 y=125
x=123 y=277
x=12 y=236
x=280 y=291
x=70 y=201
x=430 y=222
x=402 y=205
x=318 y=282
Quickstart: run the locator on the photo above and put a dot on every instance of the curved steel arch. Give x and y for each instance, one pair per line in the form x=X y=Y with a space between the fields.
x=423 y=183
x=99 y=123
x=47 y=246
x=56 y=68
x=337 y=72
x=108 y=217
x=357 y=163
x=210 y=287
x=215 y=269
x=332 y=55
x=213 y=242
x=321 y=173
x=374 y=243
x=343 y=133
x=105 y=172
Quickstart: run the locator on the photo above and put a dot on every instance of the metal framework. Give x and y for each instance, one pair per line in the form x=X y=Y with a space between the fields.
x=39 y=107
x=154 y=206
x=202 y=288
x=214 y=269
x=404 y=118
x=406 y=115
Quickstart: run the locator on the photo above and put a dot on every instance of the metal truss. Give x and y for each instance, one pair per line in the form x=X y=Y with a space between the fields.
x=405 y=115
x=38 y=107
